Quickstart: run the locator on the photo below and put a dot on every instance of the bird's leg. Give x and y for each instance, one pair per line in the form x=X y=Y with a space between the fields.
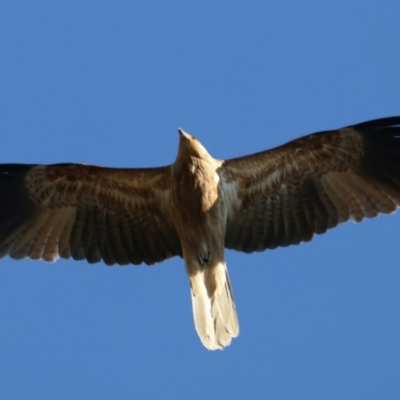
x=204 y=257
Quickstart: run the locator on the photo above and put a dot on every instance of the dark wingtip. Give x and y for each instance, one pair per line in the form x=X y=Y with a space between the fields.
x=15 y=205
x=378 y=123
x=381 y=145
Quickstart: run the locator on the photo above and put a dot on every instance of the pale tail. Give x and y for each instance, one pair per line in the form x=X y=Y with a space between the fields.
x=214 y=309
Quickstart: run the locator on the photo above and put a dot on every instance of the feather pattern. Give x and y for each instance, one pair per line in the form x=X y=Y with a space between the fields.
x=313 y=183
x=80 y=211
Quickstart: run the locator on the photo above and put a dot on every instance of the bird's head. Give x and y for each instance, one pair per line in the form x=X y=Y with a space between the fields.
x=189 y=146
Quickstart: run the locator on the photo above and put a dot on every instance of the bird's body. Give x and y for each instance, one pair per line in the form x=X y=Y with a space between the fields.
x=198 y=206
x=200 y=213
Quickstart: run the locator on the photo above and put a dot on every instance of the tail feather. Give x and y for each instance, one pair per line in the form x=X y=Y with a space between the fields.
x=214 y=309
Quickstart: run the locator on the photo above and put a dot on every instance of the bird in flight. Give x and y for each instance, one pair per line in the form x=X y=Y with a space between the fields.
x=198 y=206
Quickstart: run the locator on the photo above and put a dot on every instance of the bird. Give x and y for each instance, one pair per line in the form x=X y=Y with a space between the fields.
x=199 y=206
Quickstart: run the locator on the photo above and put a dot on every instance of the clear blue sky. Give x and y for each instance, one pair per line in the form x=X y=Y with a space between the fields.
x=109 y=83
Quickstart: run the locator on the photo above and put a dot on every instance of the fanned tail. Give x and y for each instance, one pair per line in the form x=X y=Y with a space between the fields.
x=214 y=309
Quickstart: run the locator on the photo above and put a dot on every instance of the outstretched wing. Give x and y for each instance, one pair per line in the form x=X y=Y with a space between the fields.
x=115 y=215
x=285 y=195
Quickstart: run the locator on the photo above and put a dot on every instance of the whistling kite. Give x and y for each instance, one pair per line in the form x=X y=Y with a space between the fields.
x=197 y=206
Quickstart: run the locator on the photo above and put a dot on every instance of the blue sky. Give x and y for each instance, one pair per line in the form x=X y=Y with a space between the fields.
x=109 y=83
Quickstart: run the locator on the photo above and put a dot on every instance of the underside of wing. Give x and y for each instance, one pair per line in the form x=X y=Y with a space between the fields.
x=285 y=195
x=120 y=216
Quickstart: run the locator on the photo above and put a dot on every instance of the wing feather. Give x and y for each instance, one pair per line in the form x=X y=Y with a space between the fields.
x=28 y=238
x=63 y=244
x=115 y=241
x=120 y=216
x=277 y=220
x=326 y=213
x=127 y=240
x=312 y=184
x=338 y=185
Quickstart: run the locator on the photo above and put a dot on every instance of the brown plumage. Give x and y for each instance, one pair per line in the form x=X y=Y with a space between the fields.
x=199 y=205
